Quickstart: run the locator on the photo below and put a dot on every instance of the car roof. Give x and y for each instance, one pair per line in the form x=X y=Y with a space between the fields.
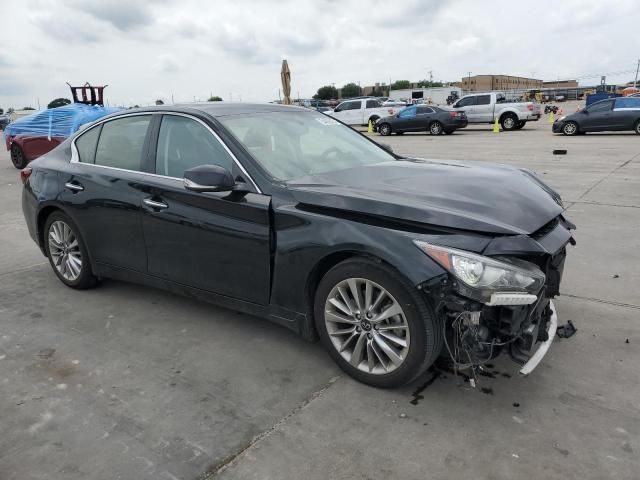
x=219 y=109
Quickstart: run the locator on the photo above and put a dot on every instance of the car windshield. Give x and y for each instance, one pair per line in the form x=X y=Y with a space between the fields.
x=294 y=144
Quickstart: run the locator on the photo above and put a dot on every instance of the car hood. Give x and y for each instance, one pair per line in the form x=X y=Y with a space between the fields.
x=462 y=195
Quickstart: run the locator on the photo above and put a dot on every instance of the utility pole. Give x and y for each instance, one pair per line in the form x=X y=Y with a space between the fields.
x=469 y=85
x=635 y=81
x=430 y=77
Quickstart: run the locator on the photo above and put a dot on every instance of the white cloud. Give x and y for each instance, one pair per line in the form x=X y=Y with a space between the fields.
x=191 y=48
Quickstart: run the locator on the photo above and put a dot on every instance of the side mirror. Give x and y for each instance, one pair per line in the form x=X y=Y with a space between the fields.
x=584 y=110
x=387 y=147
x=208 y=178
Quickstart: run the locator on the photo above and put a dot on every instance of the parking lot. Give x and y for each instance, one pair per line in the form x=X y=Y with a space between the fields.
x=124 y=381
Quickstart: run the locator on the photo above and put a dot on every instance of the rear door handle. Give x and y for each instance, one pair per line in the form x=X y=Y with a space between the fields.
x=155 y=204
x=74 y=186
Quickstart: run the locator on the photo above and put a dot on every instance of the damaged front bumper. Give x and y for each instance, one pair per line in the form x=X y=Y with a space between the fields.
x=542 y=350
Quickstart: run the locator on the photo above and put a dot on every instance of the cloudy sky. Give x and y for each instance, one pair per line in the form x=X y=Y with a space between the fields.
x=190 y=48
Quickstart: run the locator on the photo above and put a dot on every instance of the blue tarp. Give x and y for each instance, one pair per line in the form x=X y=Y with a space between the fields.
x=58 y=122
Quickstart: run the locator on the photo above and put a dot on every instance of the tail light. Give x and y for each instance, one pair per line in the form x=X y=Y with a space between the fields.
x=530 y=107
x=457 y=114
x=391 y=111
x=25 y=173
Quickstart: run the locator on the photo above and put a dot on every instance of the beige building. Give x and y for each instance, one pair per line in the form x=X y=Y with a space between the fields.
x=482 y=83
x=560 y=84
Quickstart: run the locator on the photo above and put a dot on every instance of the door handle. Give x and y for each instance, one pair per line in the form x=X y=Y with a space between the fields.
x=155 y=204
x=74 y=186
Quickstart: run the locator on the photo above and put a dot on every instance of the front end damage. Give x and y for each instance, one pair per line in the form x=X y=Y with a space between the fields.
x=500 y=304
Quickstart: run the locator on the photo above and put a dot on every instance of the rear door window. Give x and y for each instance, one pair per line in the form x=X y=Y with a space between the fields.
x=373 y=104
x=86 y=145
x=483 y=99
x=122 y=142
x=632 y=103
x=424 y=110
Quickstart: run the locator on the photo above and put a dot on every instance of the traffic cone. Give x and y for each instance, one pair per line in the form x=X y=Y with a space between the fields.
x=496 y=127
x=370 y=128
x=551 y=117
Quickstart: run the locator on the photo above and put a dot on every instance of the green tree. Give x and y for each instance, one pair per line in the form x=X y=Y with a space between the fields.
x=328 y=92
x=214 y=98
x=58 y=102
x=351 y=90
x=1 y=111
x=159 y=102
x=28 y=108
x=429 y=84
x=400 y=85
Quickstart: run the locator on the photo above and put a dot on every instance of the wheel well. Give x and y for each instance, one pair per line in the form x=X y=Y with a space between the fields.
x=505 y=114
x=317 y=273
x=42 y=218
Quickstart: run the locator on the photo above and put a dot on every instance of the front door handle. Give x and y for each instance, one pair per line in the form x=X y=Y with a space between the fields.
x=155 y=204
x=74 y=186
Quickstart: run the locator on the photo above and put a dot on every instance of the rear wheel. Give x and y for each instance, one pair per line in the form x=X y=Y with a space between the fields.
x=17 y=157
x=67 y=252
x=435 y=128
x=636 y=127
x=384 y=129
x=375 y=324
x=509 y=121
x=570 y=128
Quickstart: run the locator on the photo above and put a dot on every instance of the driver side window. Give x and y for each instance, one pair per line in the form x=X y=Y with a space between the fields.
x=600 y=107
x=184 y=143
x=408 y=112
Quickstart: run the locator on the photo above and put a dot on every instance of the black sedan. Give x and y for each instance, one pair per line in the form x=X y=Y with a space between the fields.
x=286 y=213
x=421 y=118
x=614 y=114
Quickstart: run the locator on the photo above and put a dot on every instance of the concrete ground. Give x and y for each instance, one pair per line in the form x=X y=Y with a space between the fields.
x=128 y=382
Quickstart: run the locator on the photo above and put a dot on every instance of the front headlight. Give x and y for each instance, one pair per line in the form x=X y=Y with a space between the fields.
x=481 y=278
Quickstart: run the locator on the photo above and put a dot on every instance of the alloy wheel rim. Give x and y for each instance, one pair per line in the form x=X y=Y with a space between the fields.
x=384 y=129
x=65 y=250
x=435 y=128
x=509 y=122
x=367 y=326
x=570 y=128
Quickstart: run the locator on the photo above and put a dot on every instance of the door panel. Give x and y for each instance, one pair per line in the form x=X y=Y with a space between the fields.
x=107 y=211
x=218 y=242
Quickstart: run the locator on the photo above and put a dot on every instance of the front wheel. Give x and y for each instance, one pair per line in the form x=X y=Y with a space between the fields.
x=435 y=128
x=375 y=325
x=67 y=252
x=17 y=157
x=509 y=122
x=570 y=128
x=384 y=129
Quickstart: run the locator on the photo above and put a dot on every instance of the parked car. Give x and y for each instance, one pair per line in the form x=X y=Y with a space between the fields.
x=614 y=114
x=4 y=121
x=487 y=107
x=285 y=213
x=394 y=103
x=34 y=135
x=420 y=118
x=362 y=111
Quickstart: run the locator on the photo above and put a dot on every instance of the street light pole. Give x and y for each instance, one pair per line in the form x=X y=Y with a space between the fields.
x=635 y=81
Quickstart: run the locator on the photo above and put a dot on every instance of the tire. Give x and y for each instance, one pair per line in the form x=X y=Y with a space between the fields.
x=17 y=157
x=521 y=124
x=416 y=325
x=63 y=264
x=384 y=129
x=435 y=128
x=570 y=128
x=636 y=127
x=509 y=122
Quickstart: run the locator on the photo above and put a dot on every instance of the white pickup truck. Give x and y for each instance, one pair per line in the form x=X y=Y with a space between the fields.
x=362 y=110
x=487 y=107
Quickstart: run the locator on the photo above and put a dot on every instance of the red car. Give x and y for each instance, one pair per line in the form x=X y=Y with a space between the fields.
x=25 y=147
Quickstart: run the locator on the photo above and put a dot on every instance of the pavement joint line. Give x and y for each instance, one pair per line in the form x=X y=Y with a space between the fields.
x=622 y=165
x=603 y=204
x=600 y=300
x=232 y=459
x=24 y=269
